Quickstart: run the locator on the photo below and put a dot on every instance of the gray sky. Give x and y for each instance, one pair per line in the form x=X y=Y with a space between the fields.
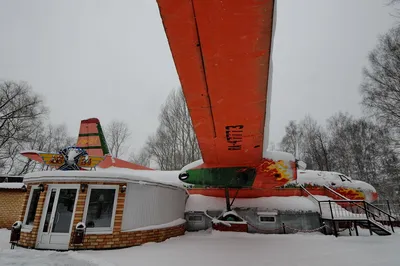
x=111 y=59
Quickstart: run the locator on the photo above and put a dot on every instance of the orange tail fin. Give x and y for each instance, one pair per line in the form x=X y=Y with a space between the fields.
x=91 y=138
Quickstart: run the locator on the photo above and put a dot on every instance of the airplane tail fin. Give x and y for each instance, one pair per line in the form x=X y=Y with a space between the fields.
x=91 y=138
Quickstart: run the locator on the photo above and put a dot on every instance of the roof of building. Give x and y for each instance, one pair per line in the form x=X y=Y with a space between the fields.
x=113 y=173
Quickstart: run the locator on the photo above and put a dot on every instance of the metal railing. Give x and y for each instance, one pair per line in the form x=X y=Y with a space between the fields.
x=393 y=208
x=312 y=197
x=353 y=210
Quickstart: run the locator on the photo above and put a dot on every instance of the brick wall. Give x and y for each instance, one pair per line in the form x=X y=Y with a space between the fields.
x=28 y=239
x=11 y=203
x=128 y=239
x=117 y=239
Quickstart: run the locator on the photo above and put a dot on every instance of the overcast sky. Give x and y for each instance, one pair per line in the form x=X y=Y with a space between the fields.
x=111 y=60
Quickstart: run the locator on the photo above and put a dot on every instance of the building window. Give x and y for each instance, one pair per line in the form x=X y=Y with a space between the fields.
x=30 y=212
x=195 y=218
x=267 y=219
x=100 y=208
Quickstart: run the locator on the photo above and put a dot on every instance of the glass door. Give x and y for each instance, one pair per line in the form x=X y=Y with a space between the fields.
x=57 y=218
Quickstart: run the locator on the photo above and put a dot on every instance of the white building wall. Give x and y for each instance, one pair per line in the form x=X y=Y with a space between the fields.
x=147 y=204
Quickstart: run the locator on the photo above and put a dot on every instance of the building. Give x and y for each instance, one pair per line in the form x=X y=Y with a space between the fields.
x=12 y=195
x=118 y=207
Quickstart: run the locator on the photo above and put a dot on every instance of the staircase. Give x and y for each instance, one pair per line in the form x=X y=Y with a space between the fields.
x=345 y=211
x=375 y=227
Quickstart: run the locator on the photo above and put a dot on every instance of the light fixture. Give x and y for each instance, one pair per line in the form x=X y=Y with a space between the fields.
x=83 y=187
x=24 y=189
x=123 y=188
x=183 y=176
x=41 y=187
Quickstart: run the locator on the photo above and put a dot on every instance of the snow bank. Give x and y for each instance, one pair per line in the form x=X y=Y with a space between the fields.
x=11 y=185
x=205 y=203
x=176 y=222
x=224 y=248
x=151 y=176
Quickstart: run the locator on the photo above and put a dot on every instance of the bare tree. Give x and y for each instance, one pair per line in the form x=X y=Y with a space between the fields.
x=314 y=145
x=309 y=142
x=174 y=144
x=358 y=147
x=381 y=86
x=362 y=149
x=393 y=2
x=291 y=140
x=20 y=111
x=46 y=138
x=143 y=157
x=117 y=134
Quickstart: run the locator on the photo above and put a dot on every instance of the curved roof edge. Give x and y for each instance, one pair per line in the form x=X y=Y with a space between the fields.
x=112 y=174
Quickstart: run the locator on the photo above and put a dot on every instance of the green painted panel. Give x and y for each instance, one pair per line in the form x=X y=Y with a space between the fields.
x=221 y=177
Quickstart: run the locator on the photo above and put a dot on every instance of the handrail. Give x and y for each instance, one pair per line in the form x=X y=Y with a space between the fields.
x=354 y=201
x=342 y=200
x=308 y=192
x=369 y=204
x=369 y=214
x=379 y=209
x=336 y=193
x=363 y=206
x=314 y=198
x=343 y=197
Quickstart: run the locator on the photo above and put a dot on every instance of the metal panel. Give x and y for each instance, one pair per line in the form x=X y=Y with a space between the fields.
x=147 y=205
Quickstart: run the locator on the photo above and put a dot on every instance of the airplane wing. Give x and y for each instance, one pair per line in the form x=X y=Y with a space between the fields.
x=33 y=155
x=222 y=52
x=52 y=159
x=91 y=162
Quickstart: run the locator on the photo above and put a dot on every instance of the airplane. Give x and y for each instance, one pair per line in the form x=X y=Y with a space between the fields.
x=281 y=170
x=222 y=53
x=344 y=185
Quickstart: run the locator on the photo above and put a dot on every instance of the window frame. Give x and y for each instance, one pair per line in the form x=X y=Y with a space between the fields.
x=196 y=221
x=344 y=177
x=28 y=227
x=100 y=230
x=269 y=216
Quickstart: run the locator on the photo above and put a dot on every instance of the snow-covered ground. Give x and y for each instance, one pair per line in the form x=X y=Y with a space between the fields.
x=225 y=248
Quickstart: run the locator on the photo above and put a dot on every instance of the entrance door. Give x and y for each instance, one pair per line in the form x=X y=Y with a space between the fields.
x=58 y=213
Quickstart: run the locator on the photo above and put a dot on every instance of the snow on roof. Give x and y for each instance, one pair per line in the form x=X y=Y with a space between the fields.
x=322 y=178
x=151 y=176
x=7 y=185
x=274 y=155
x=279 y=155
x=205 y=203
x=192 y=165
x=32 y=151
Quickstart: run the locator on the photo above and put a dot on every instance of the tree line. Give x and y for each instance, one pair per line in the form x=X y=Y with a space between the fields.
x=365 y=148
